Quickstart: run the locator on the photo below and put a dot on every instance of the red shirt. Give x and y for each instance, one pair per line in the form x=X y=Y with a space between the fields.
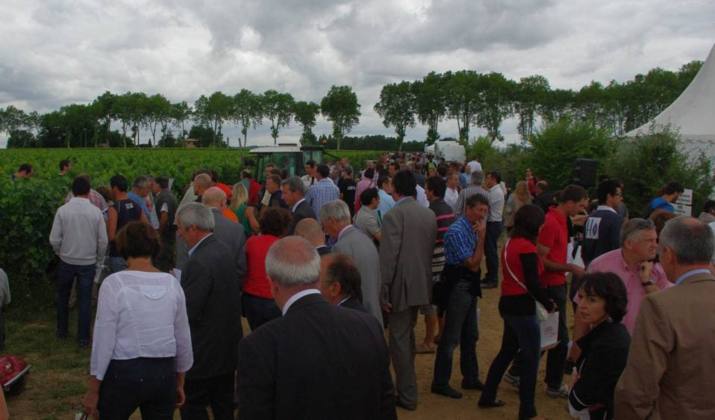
x=555 y=236
x=253 y=190
x=256 y=283
x=513 y=251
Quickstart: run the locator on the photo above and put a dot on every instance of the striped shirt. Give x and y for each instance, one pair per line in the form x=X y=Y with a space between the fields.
x=445 y=217
x=320 y=193
x=460 y=241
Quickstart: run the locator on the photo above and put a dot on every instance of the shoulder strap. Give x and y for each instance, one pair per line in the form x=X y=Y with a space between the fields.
x=506 y=264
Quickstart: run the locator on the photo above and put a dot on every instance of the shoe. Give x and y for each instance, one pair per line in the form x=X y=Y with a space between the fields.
x=489 y=285
x=405 y=406
x=446 y=391
x=473 y=385
x=512 y=379
x=562 y=392
x=491 y=404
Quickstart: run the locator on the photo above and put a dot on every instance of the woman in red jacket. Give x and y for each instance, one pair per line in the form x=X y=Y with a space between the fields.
x=257 y=299
x=521 y=288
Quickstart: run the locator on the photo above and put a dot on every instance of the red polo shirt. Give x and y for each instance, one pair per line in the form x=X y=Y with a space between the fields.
x=256 y=283
x=511 y=264
x=555 y=236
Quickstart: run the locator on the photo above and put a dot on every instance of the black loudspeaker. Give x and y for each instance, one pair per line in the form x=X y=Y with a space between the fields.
x=584 y=172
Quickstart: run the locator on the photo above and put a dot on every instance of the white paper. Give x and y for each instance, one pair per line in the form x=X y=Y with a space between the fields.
x=549 y=331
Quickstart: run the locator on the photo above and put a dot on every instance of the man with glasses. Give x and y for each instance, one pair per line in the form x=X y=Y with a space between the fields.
x=603 y=226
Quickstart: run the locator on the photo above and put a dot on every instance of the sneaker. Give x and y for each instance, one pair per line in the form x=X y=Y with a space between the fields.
x=562 y=392
x=512 y=379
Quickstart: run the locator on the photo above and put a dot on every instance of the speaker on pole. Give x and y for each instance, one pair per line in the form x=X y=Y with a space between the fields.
x=584 y=172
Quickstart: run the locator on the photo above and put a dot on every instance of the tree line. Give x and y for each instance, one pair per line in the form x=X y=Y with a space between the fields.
x=470 y=98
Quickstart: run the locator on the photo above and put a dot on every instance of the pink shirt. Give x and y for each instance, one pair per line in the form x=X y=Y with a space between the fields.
x=613 y=262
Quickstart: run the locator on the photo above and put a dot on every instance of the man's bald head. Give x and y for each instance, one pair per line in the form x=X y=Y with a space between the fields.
x=202 y=182
x=310 y=229
x=214 y=197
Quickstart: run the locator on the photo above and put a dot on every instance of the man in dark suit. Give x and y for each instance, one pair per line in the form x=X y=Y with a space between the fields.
x=293 y=193
x=340 y=282
x=318 y=361
x=227 y=232
x=214 y=312
x=310 y=230
x=409 y=232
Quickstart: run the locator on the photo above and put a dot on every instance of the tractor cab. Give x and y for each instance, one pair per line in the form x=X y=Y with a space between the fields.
x=288 y=157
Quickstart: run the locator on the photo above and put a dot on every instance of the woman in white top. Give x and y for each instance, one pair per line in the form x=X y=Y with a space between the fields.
x=142 y=344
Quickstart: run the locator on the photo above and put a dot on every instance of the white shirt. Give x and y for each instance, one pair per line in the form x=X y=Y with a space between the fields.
x=496 y=203
x=79 y=233
x=193 y=248
x=140 y=314
x=295 y=206
x=297 y=296
x=422 y=197
x=450 y=197
x=474 y=166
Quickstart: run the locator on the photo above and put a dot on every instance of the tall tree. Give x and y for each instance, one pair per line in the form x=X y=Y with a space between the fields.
x=247 y=112
x=158 y=114
x=497 y=103
x=531 y=93
x=104 y=109
x=341 y=107
x=278 y=109
x=429 y=97
x=305 y=114
x=464 y=91
x=397 y=108
x=180 y=113
x=213 y=111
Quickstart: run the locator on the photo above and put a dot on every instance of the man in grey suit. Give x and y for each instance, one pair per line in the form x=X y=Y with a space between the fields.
x=227 y=232
x=475 y=187
x=335 y=217
x=293 y=193
x=409 y=232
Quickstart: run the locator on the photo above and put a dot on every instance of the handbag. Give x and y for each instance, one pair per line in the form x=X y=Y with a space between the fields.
x=541 y=313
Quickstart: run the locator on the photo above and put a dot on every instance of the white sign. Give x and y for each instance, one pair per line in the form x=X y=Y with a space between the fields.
x=684 y=205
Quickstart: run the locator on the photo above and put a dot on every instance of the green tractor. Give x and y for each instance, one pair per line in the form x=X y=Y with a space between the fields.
x=289 y=157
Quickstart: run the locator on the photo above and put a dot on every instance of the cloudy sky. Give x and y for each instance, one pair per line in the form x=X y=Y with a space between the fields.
x=56 y=52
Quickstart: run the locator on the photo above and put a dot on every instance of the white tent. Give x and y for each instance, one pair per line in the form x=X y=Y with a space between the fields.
x=692 y=115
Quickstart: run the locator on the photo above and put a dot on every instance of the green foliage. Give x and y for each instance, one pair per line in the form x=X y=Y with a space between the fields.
x=375 y=142
x=278 y=108
x=511 y=162
x=396 y=107
x=341 y=107
x=555 y=149
x=646 y=163
x=429 y=94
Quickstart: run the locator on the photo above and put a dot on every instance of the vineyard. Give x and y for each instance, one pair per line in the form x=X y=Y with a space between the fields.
x=27 y=206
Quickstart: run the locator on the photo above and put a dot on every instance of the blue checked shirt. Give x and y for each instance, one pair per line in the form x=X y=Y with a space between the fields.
x=320 y=193
x=460 y=241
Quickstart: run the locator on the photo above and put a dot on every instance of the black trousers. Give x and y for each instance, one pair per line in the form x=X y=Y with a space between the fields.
x=215 y=392
x=147 y=384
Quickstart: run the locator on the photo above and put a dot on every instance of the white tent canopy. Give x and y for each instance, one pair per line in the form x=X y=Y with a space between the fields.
x=692 y=115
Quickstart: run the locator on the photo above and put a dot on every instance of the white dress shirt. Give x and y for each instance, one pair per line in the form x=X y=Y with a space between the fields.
x=496 y=203
x=422 y=197
x=79 y=234
x=450 y=197
x=297 y=296
x=140 y=314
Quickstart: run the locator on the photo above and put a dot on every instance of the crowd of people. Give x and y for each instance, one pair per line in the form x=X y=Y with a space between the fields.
x=332 y=269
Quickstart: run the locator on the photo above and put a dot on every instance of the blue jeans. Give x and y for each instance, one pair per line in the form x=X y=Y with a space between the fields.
x=259 y=310
x=66 y=273
x=522 y=334
x=491 y=252
x=460 y=327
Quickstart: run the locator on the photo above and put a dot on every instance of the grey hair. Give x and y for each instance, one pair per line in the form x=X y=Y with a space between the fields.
x=293 y=261
x=336 y=210
x=141 y=182
x=633 y=227
x=477 y=177
x=691 y=240
x=294 y=184
x=196 y=214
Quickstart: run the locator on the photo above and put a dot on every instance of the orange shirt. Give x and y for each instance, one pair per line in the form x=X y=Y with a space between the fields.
x=229 y=214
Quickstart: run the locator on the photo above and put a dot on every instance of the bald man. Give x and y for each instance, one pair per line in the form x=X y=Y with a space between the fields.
x=229 y=233
x=202 y=182
x=215 y=197
x=310 y=230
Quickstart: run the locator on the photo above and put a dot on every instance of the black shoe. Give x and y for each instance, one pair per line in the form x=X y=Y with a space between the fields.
x=399 y=403
x=491 y=404
x=447 y=391
x=473 y=385
x=489 y=285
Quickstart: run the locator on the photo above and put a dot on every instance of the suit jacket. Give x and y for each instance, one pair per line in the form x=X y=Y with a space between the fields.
x=303 y=211
x=231 y=234
x=671 y=365
x=354 y=243
x=318 y=361
x=354 y=303
x=214 y=308
x=409 y=232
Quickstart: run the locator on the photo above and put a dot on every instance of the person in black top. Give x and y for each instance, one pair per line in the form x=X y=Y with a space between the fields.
x=520 y=289
x=604 y=350
x=603 y=226
x=347 y=187
x=122 y=212
x=340 y=282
